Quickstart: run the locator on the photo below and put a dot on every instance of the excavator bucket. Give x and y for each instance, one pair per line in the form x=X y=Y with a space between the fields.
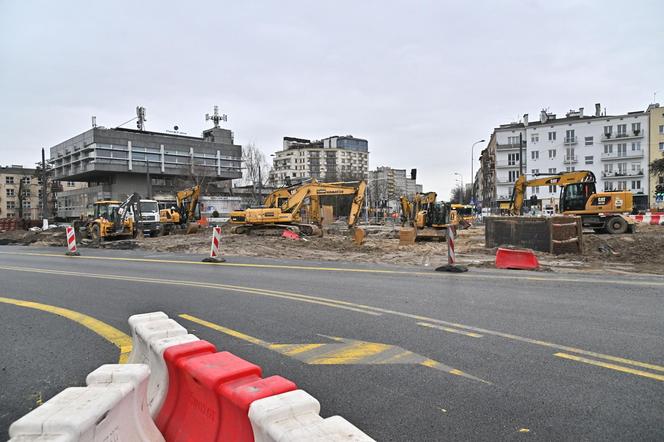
x=191 y=228
x=358 y=235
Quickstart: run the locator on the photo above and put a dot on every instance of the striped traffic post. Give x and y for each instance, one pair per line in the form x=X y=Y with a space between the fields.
x=72 y=250
x=214 y=247
x=451 y=265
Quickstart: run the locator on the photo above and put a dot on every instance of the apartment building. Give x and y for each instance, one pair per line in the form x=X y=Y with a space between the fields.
x=386 y=185
x=21 y=193
x=656 y=150
x=613 y=147
x=336 y=158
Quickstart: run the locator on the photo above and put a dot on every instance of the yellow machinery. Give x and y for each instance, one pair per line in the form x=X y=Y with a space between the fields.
x=282 y=207
x=465 y=212
x=603 y=212
x=183 y=214
x=429 y=218
x=114 y=219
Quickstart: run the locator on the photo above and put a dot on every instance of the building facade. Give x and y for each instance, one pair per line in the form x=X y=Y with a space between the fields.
x=336 y=158
x=21 y=193
x=118 y=162
x=386 y=185
x=656 y=149
x=613 y=147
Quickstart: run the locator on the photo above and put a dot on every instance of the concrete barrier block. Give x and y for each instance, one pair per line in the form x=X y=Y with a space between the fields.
x=112 y=407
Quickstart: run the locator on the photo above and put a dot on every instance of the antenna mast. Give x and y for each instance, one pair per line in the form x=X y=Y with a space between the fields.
x=216 y=118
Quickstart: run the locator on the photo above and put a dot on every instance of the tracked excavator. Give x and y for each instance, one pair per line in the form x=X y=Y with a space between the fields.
x=281 y=209
x=429 y=217
x=604 y=212
x=183 y=215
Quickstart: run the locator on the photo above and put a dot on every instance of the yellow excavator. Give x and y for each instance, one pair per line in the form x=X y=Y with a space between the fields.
x=113 y=220
x=281 y=209
x=429 y=217
x=604 y=212
x=465 y=212
x=183 y=214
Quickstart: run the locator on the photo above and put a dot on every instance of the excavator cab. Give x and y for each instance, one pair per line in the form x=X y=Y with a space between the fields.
x=575 y=196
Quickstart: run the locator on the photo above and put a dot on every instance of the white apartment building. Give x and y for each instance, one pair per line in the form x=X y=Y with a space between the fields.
x=386 y=185
x=613 y=147
x=336 y=158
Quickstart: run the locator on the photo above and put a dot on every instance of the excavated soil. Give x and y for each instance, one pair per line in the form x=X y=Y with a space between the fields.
x=642 y=252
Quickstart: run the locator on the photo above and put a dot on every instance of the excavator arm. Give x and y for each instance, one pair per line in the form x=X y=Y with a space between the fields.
x=190 y=197
x=561 y=179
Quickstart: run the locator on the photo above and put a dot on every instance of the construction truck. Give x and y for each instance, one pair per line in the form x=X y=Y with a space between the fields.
x=604 y=212
x=465 y=213
x=281 y=209
x=429 y=217
x=183 y=214
x=151 y=218
x=113 y=220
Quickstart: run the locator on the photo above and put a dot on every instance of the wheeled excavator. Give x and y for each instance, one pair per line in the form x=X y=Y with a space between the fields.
x=282 y=208
x=604 y=212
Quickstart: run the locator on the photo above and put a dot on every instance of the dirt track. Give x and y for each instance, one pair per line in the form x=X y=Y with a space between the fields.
x=642 y=252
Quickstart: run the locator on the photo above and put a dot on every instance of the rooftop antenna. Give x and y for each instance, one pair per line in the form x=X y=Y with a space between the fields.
x=94 y=121
x=140 y=115
x=216 y=118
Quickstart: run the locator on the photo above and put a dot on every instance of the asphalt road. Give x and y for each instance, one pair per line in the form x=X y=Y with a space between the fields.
x=517 y=354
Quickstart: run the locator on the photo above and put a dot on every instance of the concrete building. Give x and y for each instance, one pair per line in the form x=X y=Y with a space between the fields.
x=386 y=185
x=21 y=193
x=117 y=162
x=486 y=189
x=336 y=158
x=656 y=149
x=613 y=147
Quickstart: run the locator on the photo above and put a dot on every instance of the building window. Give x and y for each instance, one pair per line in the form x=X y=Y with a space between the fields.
x=569 y=136
x=10 y=193
x=513 y=159
x=552 y=170
x=552 y=136
x=661 y=129
x=608 y=186
x=608 y=169
x=608 y=149
x=608 y=130
x=552 y=153
x=552 y=189
x=636 y=168
x=622 y=185
x=534 y=138
x=11 y=205
x=26 y=204
x=26 y=180
x=513 y=140
x=535 y=171
x=70 y=184
x=661 y=146
x=570 y=168
x=636 y=146
x=622 y=168
x=589 y=141
x=622 y=149
x=536 y=189
x=636 y=184
x=636 y=127
x=535 y=154
x=9 y=180
x=622 y=130
x=589 y=160
x=513 y=175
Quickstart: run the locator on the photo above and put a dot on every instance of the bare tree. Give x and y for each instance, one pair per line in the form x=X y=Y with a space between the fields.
x=461 y=194
x=256 y=169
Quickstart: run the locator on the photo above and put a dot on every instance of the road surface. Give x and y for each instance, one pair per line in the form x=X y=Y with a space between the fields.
x=402 y=353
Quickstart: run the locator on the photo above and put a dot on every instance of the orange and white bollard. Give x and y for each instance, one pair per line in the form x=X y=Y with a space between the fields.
x=214 y=247
x=451 y=265
x=72 y=250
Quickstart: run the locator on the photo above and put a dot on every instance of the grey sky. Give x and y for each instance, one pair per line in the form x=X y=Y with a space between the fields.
x=420 y=80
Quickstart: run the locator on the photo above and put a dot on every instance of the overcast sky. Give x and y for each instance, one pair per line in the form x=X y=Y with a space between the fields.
x=421 y=81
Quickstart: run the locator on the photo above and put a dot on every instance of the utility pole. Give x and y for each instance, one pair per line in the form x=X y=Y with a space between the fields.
x=149 y=179
x=520 y=154
x=44 y=178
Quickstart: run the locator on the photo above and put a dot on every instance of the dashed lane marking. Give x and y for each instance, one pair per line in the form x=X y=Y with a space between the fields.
x=342 y=351
x=110 y=333
x=623 y=369
x=450 y=330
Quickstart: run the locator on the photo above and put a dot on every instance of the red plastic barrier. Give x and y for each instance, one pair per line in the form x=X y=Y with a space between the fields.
x=210 y=393
x=516 y=259
x=290 y=235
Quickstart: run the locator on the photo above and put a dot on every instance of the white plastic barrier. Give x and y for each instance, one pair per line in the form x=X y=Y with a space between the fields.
x=113 y=407
x=151 y=335
x=294 y=417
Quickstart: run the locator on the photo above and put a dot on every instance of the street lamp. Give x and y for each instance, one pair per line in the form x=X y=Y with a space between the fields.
x=463 y=191
x=472 y=175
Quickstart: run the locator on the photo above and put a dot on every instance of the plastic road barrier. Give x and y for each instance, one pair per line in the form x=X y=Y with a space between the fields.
x=151 y=335
x=654 y=219
x=215 y=256
x=516 y=259
x=112 y=407
x=72 y=250
x=294 y=417
x=210 y=393
x=451 y=265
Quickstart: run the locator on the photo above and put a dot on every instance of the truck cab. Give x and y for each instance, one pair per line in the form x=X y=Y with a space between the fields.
x=150 y=220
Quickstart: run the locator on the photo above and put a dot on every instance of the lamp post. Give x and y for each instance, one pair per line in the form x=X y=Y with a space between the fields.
x=472 y=175
x=463 y=191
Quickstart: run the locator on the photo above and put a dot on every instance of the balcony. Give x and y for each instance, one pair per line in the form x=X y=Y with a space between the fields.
x=622 y=175
x=514 y=146
x=622 y=155
x=607 y=138
x=508 y=164
x=505 y=181
x=570 y=159
x=569 y=141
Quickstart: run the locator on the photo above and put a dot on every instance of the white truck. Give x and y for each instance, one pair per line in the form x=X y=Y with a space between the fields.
x=150 y=221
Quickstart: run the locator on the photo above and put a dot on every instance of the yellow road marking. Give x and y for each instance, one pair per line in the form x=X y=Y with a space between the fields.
x=451 y=330
x=620 y=368
x=349 y=270
x=110 y=333
x=341 y=352
x=361 y=308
